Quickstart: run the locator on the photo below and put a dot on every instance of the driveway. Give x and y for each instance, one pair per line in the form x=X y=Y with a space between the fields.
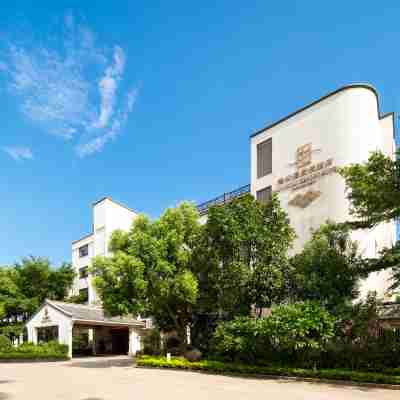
x=114 y=378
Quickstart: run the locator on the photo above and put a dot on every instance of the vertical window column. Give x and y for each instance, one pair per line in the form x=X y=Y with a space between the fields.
x=264 y=158
x=264 y=195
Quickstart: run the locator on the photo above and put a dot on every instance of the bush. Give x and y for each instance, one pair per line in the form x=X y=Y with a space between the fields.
x=235 y=368
x=376 y=353
x=193 y=355
x=81 y=345
x=286 y=335
x=302 y=335
x=173 y=345
x=50 y=350
x=152 y=343
x=5 y=343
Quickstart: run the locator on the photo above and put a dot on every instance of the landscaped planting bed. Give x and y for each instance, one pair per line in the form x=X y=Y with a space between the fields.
x=389 y=377
x=51 y=351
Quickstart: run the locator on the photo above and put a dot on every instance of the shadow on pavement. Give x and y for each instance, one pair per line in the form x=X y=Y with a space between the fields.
x=102 y=363
x=92 y=398
x=4 y=396
x=338 y=385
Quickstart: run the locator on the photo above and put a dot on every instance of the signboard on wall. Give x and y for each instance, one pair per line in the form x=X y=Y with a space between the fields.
x=306 y=174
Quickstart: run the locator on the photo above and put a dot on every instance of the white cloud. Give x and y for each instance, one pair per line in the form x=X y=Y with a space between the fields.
x=96 y=145
x=108 y=86
x=72 y=90
x=19 y=153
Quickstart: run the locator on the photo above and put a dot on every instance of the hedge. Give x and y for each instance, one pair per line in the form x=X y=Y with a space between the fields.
x=30 y=351
x=11 y=356
x=233 y=368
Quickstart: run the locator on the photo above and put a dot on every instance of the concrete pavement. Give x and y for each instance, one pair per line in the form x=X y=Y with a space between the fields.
x=115 y=378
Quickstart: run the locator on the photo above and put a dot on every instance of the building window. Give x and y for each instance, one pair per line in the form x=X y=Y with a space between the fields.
x=84 y=250
x=47 y=334
x=83 y=272
x=264 y=195
x=264 y=158
x=83 y=295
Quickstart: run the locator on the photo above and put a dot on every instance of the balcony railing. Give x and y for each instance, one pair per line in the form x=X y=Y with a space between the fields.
x=223 y=199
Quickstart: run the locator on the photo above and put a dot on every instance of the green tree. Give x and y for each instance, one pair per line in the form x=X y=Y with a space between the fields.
x=373 y=189
x=27 y=284
x=329 y=268
x=241 y=257
x=8 y=290
x=150 y=270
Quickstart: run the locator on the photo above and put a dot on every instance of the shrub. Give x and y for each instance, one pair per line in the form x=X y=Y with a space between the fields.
x=241 y=340
x=50 y=350
x=5 y=343
x=236 y=368
x=173 y=345
x=152 y=343
x=193 y=355
x=287 y=334
x=81 y=344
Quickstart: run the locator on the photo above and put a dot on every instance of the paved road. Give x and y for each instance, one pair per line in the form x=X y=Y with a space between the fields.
x=116 y=379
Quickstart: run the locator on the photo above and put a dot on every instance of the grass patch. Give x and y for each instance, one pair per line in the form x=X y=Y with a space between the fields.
x=234 y=368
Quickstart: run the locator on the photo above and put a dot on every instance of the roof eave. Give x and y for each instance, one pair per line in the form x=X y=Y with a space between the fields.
x=108 y=323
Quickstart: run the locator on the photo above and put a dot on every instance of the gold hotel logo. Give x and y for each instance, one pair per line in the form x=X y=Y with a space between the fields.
x=305 y=175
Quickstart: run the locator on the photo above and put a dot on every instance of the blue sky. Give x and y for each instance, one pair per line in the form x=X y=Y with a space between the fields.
x=153 y=102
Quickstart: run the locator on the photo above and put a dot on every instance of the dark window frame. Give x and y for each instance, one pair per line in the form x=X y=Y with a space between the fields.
x=264 y=158
x=86 y=291
x=47 y=333
x=264 y=195
x=83 y=250
x=83 y=272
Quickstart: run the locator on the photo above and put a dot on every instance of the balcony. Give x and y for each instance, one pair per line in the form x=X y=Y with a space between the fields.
x=223 y=199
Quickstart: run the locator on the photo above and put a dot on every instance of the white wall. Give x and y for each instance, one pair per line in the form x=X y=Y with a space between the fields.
x=345 y=127
x=55 y=318
x=107 y=217
x=79 y=262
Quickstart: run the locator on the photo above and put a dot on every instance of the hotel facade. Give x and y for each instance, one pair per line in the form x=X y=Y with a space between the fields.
x=296 y=157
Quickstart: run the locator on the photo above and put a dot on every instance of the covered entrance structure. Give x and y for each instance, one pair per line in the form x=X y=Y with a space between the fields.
x=85 y=329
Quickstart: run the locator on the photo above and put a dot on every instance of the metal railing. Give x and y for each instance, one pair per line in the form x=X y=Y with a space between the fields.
x=223 y=199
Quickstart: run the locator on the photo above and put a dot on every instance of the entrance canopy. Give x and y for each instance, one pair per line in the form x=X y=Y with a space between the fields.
x=57 y=320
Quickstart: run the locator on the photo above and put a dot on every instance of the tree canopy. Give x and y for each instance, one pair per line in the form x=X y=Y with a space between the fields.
x=373 y=189
x=24 y=286
x=241 y=256
x=150 y=270
x=328 y=268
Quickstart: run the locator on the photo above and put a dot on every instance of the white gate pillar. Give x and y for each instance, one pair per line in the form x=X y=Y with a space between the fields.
x=32 y=334
x=134 y=342
x=69 y=338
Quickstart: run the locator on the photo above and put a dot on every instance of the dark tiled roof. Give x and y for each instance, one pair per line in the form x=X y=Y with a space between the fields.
x=82 y=312
x=389 y=311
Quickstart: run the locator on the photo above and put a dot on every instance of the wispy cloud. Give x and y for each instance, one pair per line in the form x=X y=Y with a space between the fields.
x=96 y=144
x=108 y=86
x=71 y=89
x=19 y=153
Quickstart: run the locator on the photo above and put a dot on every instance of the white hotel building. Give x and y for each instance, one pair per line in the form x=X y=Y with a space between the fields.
x=296 y=157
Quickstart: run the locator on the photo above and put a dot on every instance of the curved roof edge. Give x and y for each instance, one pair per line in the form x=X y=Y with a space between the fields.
x=341 y=89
